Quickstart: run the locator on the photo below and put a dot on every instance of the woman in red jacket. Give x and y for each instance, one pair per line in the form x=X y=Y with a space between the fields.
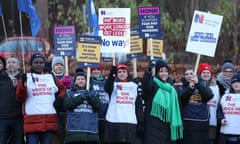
x=36 y=90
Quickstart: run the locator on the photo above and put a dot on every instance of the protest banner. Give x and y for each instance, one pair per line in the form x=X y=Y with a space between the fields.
x=149 y=22
x=157 y=47
x=64 y=41
x=88 y=52
x=203 y=35
x=136 y=49
x=114 y=28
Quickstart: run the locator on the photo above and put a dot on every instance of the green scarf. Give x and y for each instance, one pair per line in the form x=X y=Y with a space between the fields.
x=165 y=106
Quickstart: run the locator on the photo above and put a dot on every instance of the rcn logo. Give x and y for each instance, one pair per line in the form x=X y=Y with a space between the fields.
x=103 y=12
x=119 y=87
x=199 y=18
x=232 y=98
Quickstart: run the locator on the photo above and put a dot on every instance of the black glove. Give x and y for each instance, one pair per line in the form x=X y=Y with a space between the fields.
x=113 y=71
x=151 y=65
x=78 y=99
x=89 y=94
x=24 y=78
x=95 y=102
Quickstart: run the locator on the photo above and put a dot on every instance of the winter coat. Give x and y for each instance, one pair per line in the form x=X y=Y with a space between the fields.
x=41 y=122
x=82 y=122
x=10 y=108
x=155 y=131
x=195 y=112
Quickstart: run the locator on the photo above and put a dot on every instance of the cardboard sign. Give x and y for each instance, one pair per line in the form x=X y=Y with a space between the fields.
x=149 y=22
x=88 y=52
x=204 y=32
x=157 y=46
x=64 y=41
x=114 y=28
x=136 y=49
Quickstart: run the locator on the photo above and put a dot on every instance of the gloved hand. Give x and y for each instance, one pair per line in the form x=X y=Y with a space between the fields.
x=67 y=81
x=94 y=101
x=151 y=65
x=24 y=79
x=86 y=95
x=78 y=99
x=113 y=71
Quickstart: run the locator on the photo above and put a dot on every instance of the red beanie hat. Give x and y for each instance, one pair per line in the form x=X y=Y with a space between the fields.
x=204 y=66
x=122 y=66
x=99 y=68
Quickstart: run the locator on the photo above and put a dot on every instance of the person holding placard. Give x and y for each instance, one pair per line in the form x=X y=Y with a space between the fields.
x=205 y=72
x=163 y=123
x=36 y=90
x=194 y=95
x=124 y=117
x=58 y=70
x=97 y=84
x=82 y=108
x=228 y=113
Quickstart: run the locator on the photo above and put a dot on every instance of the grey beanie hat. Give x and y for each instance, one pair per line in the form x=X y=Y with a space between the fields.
x=57 y=60
x=228 y=65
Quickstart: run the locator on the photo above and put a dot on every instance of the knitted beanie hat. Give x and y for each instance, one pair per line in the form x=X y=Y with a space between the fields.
x=57 y=60
x=204 y=66
x=228 y=65
x=159 y=64
x=37 y=55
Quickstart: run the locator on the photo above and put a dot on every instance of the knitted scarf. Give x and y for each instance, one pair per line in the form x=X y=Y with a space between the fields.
x=165 y=106
x=226 y=83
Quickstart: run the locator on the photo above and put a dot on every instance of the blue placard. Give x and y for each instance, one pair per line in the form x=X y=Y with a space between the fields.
x=64 y=41
x=149 y=22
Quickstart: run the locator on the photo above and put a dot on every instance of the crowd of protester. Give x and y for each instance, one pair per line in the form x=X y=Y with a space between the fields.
x=47 y=106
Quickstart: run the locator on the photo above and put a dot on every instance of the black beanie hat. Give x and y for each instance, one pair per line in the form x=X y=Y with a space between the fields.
x=81 y=73
x=36 y=55
x=159 y=64
x=236 y=78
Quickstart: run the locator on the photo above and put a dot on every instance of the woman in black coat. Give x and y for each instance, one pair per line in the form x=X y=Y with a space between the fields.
x=162 y=119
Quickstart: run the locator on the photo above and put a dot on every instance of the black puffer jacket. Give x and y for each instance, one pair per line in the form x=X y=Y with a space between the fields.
x=10 y=108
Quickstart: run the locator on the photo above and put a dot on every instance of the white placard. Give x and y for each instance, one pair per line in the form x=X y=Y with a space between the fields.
x=114 y=28
x=204 y=33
